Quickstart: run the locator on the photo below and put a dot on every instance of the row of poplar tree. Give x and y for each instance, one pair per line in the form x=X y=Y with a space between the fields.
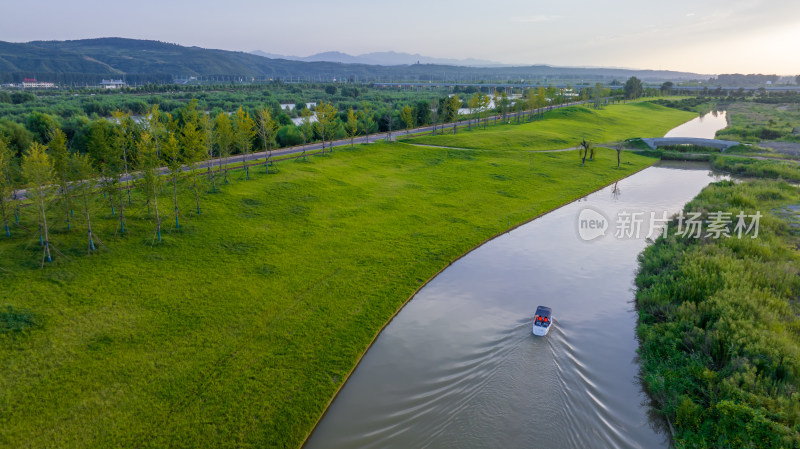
x=123 y=154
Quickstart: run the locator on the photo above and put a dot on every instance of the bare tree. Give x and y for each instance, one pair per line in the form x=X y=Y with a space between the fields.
x=585 y=146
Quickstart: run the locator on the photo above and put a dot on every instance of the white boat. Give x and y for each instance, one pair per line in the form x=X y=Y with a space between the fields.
x=542 y=321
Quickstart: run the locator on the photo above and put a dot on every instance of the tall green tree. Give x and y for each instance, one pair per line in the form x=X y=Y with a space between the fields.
x=223 y=138
x=483 y=111
x=541 y=95
x=306 y=128
x=267 y=128
x=389 y=117
x=422 y=113
x=149 y=161
x=351 y=127
x=171 y=152
x=60 y=156
x=193 y=144
x=84 y=179
x=126 y=135
x=367 y=118
x=244 y=130
x=407 y=116
x=326 y=114
x=37 y=169
x=98 y=146
x=633 y=88
x=207 y=128
x=532 y=102
x=473 y=103
x=453 y=105
x=504 y=104
x=40 y=124
x=6 y=184
x=597 y=95
x=435 y=111
x=116 y=168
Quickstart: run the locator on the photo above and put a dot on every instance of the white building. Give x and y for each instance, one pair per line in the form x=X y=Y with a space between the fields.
x=113 y=84
x=33 y=84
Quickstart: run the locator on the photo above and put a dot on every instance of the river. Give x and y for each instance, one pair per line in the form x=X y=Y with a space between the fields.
x=458 y=366
x=705 y=126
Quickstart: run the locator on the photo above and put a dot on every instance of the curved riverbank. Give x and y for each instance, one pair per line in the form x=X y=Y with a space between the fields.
x=461 y=350
x=432 y=278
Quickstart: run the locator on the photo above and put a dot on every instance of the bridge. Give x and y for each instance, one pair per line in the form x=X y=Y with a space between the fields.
x=655 y=142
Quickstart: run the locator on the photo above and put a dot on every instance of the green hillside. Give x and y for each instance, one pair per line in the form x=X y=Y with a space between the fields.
x=33 y=58
x=106 y=56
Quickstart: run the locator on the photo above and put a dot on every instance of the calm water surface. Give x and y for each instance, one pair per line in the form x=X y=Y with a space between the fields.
x=705 y=126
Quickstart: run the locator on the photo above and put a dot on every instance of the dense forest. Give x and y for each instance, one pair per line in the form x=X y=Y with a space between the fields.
x=28 y=117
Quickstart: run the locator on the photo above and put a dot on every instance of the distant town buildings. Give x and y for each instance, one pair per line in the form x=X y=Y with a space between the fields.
x=112 y=84
x=292 y=106
x=31 y=83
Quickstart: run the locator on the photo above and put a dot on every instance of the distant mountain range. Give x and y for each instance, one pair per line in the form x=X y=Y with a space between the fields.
x=382 y=58
x=87 y=61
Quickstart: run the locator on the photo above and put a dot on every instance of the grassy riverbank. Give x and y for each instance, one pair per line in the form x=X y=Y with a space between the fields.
x=758 y=168
x=565 y=128
x=237 y=330
x=718 y=323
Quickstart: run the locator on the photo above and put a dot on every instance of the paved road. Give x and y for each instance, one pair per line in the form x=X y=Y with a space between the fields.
x=285 y=153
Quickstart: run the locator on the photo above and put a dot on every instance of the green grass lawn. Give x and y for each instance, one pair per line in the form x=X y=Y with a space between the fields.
x=565 y=128
x=239 y=327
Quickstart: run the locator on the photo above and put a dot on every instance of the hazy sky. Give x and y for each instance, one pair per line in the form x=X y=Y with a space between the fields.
x=706 y=36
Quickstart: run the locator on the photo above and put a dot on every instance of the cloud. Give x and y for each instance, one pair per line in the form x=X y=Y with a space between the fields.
x=690 y=14
x=534 y=19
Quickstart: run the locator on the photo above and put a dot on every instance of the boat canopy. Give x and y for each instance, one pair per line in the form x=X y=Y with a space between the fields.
x=543 y=311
